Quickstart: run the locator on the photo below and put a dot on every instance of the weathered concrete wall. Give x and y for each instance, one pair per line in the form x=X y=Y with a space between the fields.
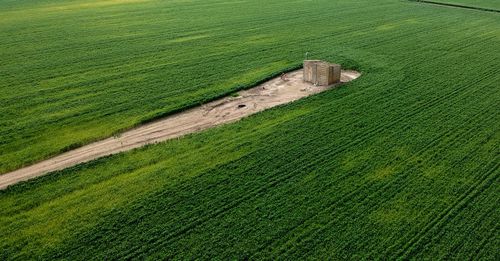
x=321 y=73
x=335 y=71
x=310 y=70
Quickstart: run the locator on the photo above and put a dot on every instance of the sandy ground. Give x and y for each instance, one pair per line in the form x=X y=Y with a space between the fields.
x=269 y=94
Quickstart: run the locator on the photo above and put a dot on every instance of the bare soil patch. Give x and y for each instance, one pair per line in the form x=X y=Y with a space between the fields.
x=281 y=90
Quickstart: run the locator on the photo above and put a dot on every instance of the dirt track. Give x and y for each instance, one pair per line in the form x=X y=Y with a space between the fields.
x=269 y=94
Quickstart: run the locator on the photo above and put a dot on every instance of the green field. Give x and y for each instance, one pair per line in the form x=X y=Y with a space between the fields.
x=404 y=162
x=491 y=4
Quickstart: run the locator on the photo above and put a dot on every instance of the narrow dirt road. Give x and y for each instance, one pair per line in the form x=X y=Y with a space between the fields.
x=269 y=94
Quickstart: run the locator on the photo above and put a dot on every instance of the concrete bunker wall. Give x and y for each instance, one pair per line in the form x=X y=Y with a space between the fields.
x=321 y=73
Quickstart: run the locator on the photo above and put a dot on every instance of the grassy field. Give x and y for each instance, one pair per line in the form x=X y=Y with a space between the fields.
x=491 y=4
x=80 y=71
x=403 y=162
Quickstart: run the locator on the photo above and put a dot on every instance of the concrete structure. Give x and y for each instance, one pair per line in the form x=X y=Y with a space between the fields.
x=321 y=73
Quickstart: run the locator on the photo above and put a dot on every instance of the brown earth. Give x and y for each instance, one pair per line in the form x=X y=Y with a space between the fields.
x=229 y=109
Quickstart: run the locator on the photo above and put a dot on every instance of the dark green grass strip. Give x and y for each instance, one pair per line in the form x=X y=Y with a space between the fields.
x=457 y=6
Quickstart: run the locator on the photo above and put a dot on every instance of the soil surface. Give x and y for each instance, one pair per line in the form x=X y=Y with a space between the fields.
x=280 y=90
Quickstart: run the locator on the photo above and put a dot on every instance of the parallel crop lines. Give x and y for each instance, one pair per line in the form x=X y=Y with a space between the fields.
x=401 y=163
x=399 y=183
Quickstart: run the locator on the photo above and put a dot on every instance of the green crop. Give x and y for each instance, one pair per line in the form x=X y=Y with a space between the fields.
x=401 y=163
x=490 y=4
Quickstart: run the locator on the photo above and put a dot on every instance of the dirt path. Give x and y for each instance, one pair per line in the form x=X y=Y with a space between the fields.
x=269 y=94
